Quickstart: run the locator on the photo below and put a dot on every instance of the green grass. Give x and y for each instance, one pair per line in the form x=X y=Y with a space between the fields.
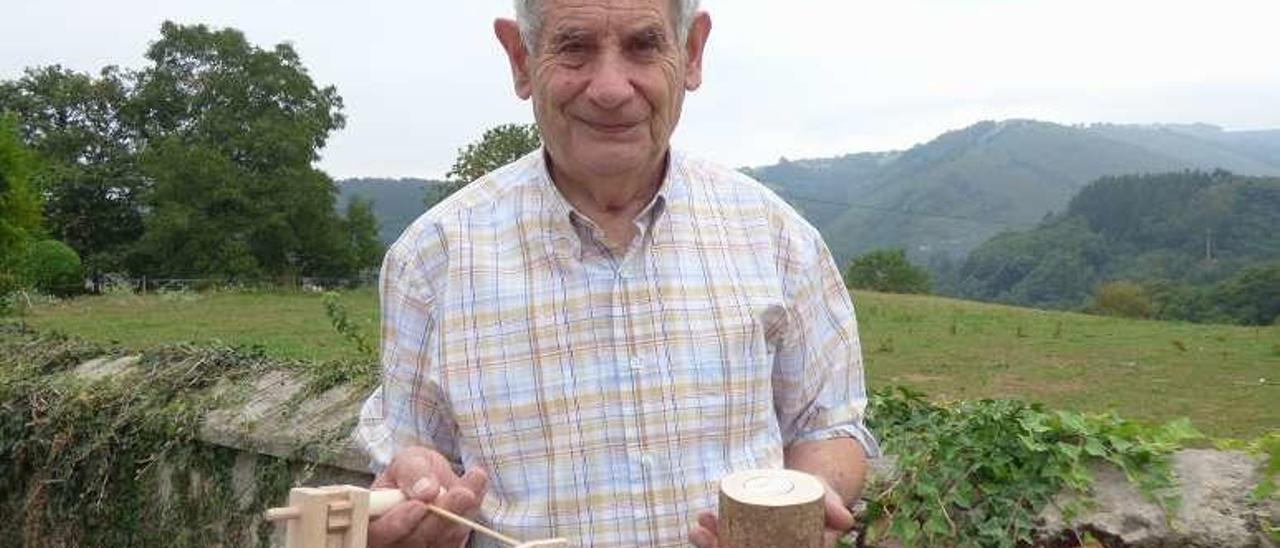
x=946 y=348
x=284 y=325
x=1156 y=371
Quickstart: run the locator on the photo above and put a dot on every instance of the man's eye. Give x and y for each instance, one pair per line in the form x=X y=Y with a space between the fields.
x=573 y=47
x=646 y=46
x=647 y=43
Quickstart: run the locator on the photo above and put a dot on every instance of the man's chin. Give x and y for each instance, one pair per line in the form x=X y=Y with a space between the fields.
x=608 y=159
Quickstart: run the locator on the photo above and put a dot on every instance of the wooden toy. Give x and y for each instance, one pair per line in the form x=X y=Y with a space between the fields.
x=338 y=517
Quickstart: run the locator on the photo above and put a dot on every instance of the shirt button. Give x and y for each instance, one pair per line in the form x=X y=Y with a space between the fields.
x=636 y=364
x=647 y=460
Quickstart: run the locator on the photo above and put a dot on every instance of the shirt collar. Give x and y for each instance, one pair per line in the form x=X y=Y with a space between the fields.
x=562 y=219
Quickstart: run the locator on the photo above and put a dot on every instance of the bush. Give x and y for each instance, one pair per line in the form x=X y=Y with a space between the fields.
x=52 y=267
x=887 y=271
x=1124 y=299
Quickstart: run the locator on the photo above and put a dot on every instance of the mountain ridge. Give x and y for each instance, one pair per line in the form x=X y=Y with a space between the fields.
x=942 y=198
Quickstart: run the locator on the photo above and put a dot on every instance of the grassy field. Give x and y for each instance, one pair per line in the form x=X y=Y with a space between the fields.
x=1226 y=379
x=285 y=325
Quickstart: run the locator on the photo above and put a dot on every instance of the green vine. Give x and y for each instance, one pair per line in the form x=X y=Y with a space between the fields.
x=979 y=473
x=341 y=321
x=116 y=461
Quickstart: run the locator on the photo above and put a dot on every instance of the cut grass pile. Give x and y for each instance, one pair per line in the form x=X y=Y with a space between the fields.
x=1225 y=378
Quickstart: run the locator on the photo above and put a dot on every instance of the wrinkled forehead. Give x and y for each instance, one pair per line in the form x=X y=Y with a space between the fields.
x=604 y=16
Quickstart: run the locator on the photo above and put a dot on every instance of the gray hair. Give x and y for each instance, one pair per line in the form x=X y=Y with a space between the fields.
x=529 y=15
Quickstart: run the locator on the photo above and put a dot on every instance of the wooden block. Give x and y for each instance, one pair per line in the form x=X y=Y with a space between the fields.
x=771 y=509
x=356 y=534
x=311 y=528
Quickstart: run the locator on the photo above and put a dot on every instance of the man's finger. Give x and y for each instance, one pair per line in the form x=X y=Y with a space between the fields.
x=839 y=518
x=705 y=534
x=710 y=522
x=397 y=524
x=476 y=480
x=437 y=530
x=412 y=472
x=701 y=537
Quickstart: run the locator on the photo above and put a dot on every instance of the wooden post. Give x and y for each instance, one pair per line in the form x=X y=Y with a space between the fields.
x=771 y=509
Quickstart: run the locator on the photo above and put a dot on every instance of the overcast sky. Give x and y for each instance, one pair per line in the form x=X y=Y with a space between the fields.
x=804 y=78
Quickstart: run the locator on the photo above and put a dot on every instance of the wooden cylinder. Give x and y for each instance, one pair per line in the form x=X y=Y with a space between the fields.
x=771 y=509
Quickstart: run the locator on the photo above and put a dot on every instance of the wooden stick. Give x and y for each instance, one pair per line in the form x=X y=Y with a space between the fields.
x=382 y=500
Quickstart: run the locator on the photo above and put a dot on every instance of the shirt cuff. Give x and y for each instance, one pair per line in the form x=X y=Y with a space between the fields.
x=855 y=430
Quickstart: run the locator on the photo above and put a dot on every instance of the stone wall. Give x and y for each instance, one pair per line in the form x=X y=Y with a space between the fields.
x=273 y=418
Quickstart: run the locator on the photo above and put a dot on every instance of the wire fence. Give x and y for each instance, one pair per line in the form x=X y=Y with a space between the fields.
x=147 y=284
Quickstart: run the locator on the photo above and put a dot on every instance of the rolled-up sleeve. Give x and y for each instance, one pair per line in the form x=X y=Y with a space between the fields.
x=408 y=408
x=818 y=375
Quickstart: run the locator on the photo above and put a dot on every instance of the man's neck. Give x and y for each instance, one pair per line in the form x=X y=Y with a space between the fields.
x=612 y=203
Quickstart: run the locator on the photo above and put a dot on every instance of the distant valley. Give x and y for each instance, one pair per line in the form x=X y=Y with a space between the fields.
x=941 y=199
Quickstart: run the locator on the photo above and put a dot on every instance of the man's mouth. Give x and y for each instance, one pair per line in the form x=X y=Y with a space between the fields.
x=612 y=128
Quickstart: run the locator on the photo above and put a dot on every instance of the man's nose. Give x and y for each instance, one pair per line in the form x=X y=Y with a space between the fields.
x=610 y=82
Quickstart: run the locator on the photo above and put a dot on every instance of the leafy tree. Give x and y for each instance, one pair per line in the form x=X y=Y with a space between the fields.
x=362 y=233
x=19 y=204
x=886 y=270
x=79 y=127
x=498 y=146
x=231 y=132
x=198 y=164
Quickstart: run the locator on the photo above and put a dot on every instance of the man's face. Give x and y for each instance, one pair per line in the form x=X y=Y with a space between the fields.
x=607 y=82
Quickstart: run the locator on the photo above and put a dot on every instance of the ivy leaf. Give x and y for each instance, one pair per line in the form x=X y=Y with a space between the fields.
x=936 y=526
x=1094 y=448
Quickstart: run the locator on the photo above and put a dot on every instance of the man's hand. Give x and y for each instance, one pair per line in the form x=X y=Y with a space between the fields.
x=421 y=474
x=706 y=534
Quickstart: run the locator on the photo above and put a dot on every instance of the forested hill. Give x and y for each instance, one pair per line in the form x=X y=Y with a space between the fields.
x=1175 y=234
x=396 y=202
x=947 y=196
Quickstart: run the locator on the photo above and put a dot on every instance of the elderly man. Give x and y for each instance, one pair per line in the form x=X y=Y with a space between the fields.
x=582 y=343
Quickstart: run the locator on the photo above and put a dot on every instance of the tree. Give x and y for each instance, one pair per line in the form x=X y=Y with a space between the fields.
x=78 y=127
x=886 y=270
x=231 y=132
x=499 y=146
x=362 y=234
x=19 y=204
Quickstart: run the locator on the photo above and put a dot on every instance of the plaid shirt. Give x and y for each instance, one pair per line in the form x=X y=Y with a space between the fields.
x=607 y=395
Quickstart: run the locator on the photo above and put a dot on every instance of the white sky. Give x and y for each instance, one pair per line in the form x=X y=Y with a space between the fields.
x=804 y=78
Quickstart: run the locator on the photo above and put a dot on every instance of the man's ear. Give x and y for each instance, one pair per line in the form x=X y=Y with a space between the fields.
x=508 y=32
x=697 y=43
